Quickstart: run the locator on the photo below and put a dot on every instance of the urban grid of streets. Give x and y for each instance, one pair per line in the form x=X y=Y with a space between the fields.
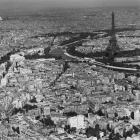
x=62 y=96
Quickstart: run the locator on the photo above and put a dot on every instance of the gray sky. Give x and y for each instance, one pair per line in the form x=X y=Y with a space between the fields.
x=68 y=3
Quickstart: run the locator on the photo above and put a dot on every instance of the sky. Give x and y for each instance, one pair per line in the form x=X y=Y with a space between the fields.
x=67 y=3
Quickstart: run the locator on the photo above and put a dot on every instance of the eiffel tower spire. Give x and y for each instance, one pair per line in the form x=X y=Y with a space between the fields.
x=113 y=24
x=113 y=46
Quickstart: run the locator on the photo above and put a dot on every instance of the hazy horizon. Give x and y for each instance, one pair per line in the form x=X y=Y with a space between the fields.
x=8 y=4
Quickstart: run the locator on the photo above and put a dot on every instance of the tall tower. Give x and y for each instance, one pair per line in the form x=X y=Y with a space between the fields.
x=113 y=47
x=113 y=24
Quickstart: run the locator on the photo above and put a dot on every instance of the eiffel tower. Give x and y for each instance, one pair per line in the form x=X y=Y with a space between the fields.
x=113 y=47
